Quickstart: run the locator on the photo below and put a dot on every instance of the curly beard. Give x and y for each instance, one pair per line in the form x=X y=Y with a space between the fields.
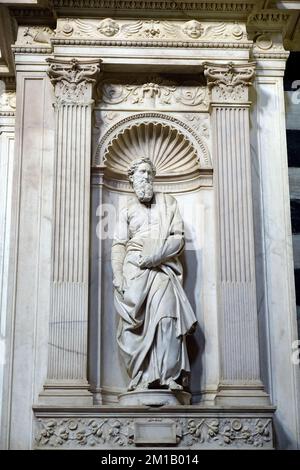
x=143 y=190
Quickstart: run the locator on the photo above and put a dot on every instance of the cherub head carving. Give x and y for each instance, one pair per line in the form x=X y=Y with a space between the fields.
x=193 y=29
x=108 y=27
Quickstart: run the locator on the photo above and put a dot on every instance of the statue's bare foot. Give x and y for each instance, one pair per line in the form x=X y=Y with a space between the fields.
x=174 y=386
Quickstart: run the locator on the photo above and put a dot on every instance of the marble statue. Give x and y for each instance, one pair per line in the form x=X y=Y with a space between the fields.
x=155 y=314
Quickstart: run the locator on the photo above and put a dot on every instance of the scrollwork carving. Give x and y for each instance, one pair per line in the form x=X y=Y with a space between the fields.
x=229 y=82
x=153 y=91
x=71 y=79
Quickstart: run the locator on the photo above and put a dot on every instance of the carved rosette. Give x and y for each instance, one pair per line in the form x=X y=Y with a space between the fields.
x=229 y=83
x=73 y=79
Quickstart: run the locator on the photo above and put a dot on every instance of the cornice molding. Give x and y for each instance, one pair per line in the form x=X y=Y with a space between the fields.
x=269 y=19
x=166 y=5
x=177 y=44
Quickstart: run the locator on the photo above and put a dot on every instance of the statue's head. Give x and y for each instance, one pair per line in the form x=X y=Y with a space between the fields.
x=193 y=29
x=141 y=175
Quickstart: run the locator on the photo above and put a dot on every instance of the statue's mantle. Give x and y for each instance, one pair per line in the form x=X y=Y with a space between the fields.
x=184 y=427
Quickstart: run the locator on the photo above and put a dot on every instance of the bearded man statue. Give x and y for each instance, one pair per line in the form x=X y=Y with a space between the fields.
x=155 y=314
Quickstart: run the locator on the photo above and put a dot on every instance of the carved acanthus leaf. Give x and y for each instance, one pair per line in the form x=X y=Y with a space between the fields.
x=71 y=79
x=229 y=82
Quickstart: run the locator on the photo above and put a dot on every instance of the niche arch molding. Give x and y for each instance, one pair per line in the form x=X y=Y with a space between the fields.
x=181 y=156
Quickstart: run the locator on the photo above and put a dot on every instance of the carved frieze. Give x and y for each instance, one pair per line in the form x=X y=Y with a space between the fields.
x=229 y=83
x=153 y=92
x=111 y=432
x=71 y=79
x=146 y=30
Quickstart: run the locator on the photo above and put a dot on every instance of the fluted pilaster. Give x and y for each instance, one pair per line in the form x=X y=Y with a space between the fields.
x=68 y=326
x=239 y=349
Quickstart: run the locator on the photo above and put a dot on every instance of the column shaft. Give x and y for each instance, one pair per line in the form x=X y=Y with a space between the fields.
x=68 y=324
x=238 y=333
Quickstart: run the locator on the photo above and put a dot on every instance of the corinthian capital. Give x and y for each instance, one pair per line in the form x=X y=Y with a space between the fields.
x=73 y=79
x=229 y=82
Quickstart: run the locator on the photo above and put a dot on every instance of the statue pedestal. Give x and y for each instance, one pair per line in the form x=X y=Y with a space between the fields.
x=155 y=398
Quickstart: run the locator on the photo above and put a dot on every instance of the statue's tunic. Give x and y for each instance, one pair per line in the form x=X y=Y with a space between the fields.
x=155 y=314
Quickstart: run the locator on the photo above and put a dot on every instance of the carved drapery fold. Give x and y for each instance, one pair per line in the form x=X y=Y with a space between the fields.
x=239 y=349
x=68 y=325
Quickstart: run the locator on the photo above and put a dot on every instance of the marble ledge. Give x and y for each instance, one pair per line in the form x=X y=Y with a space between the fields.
x=43 y=410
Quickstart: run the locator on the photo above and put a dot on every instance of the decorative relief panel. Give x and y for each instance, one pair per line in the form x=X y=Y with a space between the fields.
x=191 y=30
x=112 y=432
x=153 y=92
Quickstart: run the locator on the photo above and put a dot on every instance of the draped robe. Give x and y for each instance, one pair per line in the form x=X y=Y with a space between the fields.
x=155 y=314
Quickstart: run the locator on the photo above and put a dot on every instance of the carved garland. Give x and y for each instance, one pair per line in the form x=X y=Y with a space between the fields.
x=119 y=432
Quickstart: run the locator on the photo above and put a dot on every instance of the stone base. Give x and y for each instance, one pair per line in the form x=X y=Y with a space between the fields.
x=154 y=398
x=66 y=394
x=243 y=395
x=177 y=427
